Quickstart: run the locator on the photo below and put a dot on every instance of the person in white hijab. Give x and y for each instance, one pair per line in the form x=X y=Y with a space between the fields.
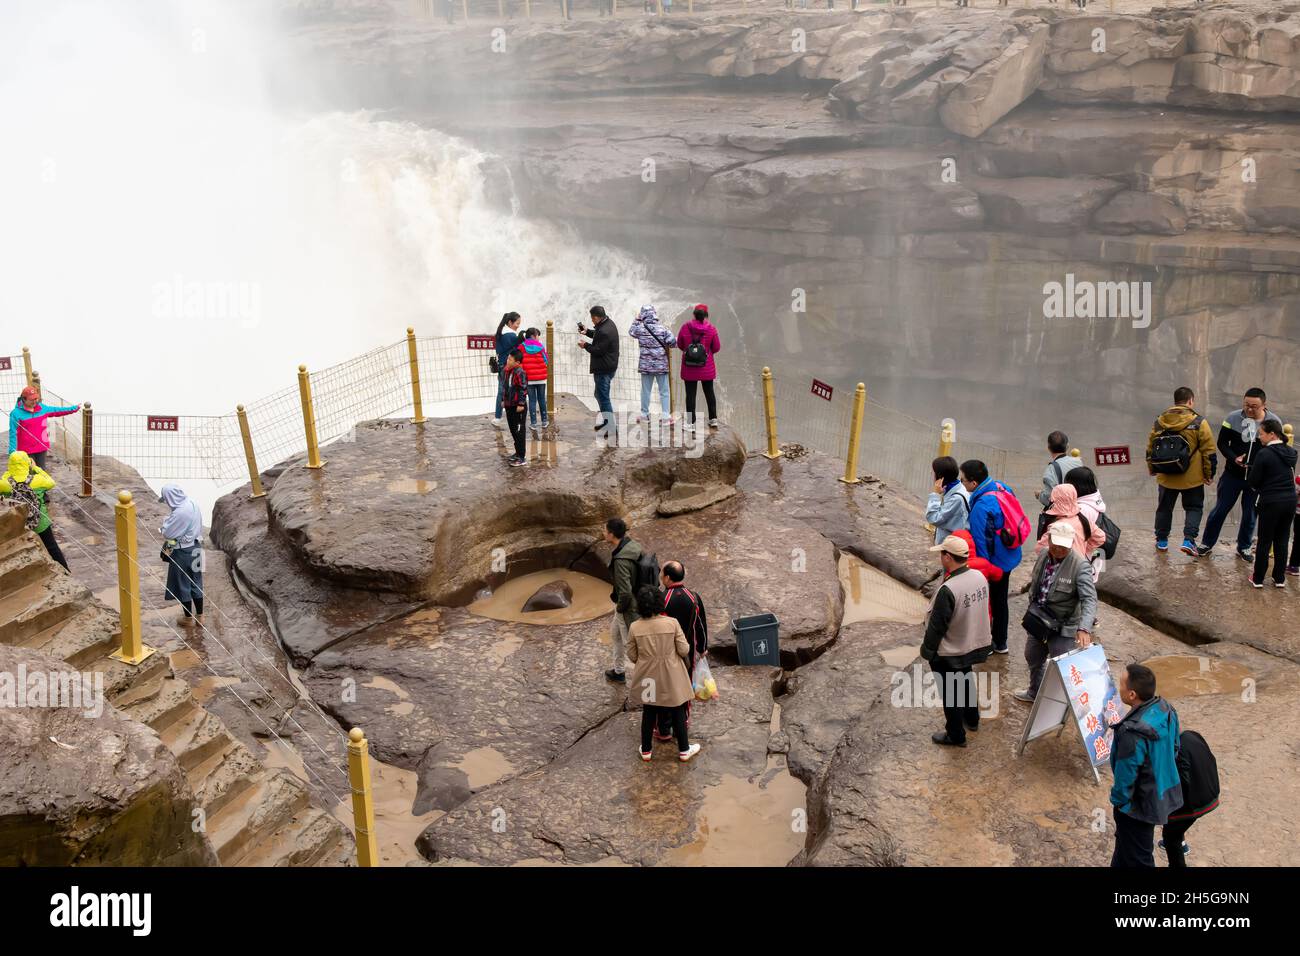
x=183 y=552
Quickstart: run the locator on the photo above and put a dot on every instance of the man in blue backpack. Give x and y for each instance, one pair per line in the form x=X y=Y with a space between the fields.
x=1144 y=760
x=987 y=524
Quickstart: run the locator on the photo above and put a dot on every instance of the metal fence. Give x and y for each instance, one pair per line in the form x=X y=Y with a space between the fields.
x=809 y=412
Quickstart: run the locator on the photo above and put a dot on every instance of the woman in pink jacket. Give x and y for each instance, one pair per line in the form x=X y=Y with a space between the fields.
x=1065 y=507
x=28 y=431
x=698 y=341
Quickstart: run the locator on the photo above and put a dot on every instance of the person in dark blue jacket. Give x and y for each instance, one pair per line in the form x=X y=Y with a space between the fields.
x=504 y=341
x=1144 y=760
x=985 y=522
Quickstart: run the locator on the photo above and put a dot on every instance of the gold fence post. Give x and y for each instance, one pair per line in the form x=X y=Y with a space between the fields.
x=501 y=9
x=1289 y=431
x=550 y=368
x=27 y=363
x=464 y=6
x=36 y=381
x=87 y=450
x=415 y=375
x=769 y=414
x=133 y=650
x=855 y=431
x=528 y=9
x=947 y=435
x=247 y=435
x=1074 y=453
x=308 y=418
x=363 y=804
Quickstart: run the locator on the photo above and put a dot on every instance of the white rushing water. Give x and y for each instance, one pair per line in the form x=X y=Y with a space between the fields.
x=171 y=244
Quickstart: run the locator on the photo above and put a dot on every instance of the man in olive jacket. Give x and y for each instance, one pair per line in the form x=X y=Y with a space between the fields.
x=958 y=634
x=622 y=571
x=1183 y=420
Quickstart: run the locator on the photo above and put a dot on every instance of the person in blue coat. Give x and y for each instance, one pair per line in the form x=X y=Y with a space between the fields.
x=985 y=521
x=506 y=339
x=1144 y=761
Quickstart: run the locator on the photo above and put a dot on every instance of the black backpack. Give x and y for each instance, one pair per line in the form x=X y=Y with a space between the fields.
x=1112 y=535
x=695 y=356
x=1171 y=452
x=647 y=571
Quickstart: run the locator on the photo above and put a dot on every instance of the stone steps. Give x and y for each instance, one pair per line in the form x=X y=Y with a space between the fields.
x=253 y=816
x=257 y=813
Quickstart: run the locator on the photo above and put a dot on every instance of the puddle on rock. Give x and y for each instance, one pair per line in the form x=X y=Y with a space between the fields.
x=900 y=657
x=412 y=486
x=404 y=706
x=546 y=451
x=1184 y=675
x=205 y=688
x=484 y=767
x=872 y=595
x=184 y=660
x=747 y=823
x=590 y=599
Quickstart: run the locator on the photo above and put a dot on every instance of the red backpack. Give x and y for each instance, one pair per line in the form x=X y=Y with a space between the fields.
x=1015 y=528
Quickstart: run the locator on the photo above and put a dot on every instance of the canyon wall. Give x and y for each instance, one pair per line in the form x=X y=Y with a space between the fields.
x=887 y=193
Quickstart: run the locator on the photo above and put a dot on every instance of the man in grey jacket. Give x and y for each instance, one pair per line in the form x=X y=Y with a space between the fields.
x=1058 y=446
x=958 y=635
x=1063 y=586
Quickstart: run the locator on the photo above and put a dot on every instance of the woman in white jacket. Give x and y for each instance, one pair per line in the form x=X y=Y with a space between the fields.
x=1091 y=506
x=948 y=507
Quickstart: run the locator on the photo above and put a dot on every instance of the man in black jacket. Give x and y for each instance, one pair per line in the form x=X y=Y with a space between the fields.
x=687 y=609
x=1238 y=441
x=1199 y=774
x=603 y=349
x=1272 y=476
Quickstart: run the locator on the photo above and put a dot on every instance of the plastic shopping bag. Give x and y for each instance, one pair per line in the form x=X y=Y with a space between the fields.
x=706 y=688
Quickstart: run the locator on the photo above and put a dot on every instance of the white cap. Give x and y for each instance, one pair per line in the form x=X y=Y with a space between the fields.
x=1061 y=533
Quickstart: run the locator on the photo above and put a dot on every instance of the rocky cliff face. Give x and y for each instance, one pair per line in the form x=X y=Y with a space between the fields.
x=913 y=179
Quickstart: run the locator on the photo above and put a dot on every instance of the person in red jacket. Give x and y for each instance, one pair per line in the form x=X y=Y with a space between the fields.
x=536 y=362
x=987 y=568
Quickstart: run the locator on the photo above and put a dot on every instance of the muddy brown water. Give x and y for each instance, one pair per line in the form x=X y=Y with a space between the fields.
x=748 y=822
x=396 y=828
x=1187 y=675
x=872 y=595
x=590 y=599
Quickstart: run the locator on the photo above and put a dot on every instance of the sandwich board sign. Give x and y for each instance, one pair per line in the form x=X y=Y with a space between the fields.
x=1077 y=689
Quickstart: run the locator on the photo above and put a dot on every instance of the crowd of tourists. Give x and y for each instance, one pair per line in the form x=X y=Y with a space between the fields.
x=521 y=363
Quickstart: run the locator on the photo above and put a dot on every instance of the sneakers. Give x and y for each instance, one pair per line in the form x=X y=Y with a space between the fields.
x=1245 y=555
x=1162 y=544
x=688 y=753
x=185 y=620
x=517 y=462
x=1189 y=547
x=1257 y=585
x=943 y=740
x=1023 y=696
x=1279 y=584
x=618 y=677
x=546 y=423
x=1186 y=849
x=498 y=423
x=1001 y=650
x=714 y=423
x=971 y=728
x=1293 y=569
x=1203 y=550
x=645 y=756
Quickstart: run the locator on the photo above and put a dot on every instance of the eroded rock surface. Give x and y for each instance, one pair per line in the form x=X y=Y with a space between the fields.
x=887 y=796
x=78 y=789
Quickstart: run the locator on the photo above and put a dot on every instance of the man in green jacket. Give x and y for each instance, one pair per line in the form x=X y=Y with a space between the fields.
x=622 y=571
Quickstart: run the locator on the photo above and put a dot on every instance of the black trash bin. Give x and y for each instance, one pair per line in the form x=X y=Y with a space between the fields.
x=757 y=639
